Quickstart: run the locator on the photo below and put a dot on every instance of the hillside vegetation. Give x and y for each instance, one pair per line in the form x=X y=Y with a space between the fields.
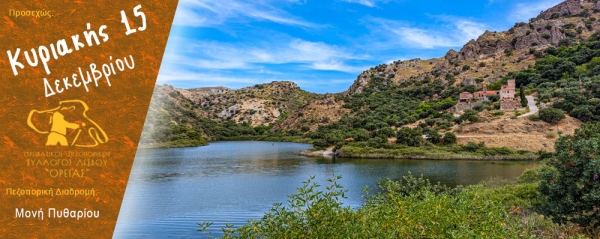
x=553 y=57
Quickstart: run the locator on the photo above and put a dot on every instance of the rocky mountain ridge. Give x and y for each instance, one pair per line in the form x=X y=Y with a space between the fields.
x=494 y=54
x=284 y=107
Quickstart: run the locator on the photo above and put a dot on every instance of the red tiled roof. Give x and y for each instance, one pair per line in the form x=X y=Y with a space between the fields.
x=489 y=92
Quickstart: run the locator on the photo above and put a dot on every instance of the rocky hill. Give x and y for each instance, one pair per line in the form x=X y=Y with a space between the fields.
x=494 y=54
x=402 y=93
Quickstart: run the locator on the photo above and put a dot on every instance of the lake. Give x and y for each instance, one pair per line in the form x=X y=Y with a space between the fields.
x=170 y=190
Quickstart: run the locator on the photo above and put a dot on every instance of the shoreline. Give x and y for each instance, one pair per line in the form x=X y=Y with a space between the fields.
x=353 y=152
x=457 y=157
x=415 y=154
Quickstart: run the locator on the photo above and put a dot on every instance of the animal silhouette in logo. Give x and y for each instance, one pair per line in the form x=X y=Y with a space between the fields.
x=64 y=125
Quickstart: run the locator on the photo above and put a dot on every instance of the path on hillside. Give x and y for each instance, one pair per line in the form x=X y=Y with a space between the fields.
x=533 y=109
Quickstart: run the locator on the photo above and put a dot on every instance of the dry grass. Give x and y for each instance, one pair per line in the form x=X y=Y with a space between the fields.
x=518 y=134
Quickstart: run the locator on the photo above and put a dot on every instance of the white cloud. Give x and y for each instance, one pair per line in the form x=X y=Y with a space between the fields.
x=522 y=12
x=336 y=66
x=368 y=3
x=454 y=32
x=248 y=55
x=205 y=13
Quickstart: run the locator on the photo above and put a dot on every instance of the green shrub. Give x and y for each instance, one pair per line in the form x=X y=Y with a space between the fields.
x=409 y=208
x=320 y=144
x=449 y=138
x=551 y=115
x=572 y=189
x=473 y=118
x=473 y=147
x=494 y=98
x=534 y=118
x=478 y=107
x=551 y=134
x=408 y=136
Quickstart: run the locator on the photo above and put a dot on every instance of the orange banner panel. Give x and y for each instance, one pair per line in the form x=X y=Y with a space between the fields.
x=76 y=82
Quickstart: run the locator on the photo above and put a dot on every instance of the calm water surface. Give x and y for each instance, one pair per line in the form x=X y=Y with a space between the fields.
x=170 y=190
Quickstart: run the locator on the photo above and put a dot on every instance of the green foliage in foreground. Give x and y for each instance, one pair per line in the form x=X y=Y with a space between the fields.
x=409 y=208
x=573 y=188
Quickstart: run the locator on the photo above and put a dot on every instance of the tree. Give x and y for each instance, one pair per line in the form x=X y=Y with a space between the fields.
x=449 y=138
x=583 y=113
x=494 y=98
x=387 y=132
x=551 y=115
x=522 y=95
x=572 y=187
x=432 y=135
x=552 y=51
x=473 y=147
x=409 y=137
x=320 y=144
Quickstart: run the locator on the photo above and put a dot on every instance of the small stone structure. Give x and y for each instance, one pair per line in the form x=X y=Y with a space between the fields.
x=508 y=104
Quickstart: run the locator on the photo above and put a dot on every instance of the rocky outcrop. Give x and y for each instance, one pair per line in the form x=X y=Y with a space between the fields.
x=452 y=56
x=400 y=65
x=489 y=44
x=538 y=33
x=198 y=93
x=468 y=81
x=207 y=91
x=566 y=8
x=359 y=84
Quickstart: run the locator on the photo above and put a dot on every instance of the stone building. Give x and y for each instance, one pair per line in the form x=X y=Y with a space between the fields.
x=506 y=92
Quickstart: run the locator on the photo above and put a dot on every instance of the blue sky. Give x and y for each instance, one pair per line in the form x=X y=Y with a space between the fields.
x=322 y=45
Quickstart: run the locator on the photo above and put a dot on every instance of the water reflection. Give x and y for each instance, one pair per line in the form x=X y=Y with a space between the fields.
x=170 y=190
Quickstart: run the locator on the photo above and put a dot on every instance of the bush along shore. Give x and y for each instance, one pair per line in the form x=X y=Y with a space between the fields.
x=412 y=208
x=557 y=200
x=470 y=151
